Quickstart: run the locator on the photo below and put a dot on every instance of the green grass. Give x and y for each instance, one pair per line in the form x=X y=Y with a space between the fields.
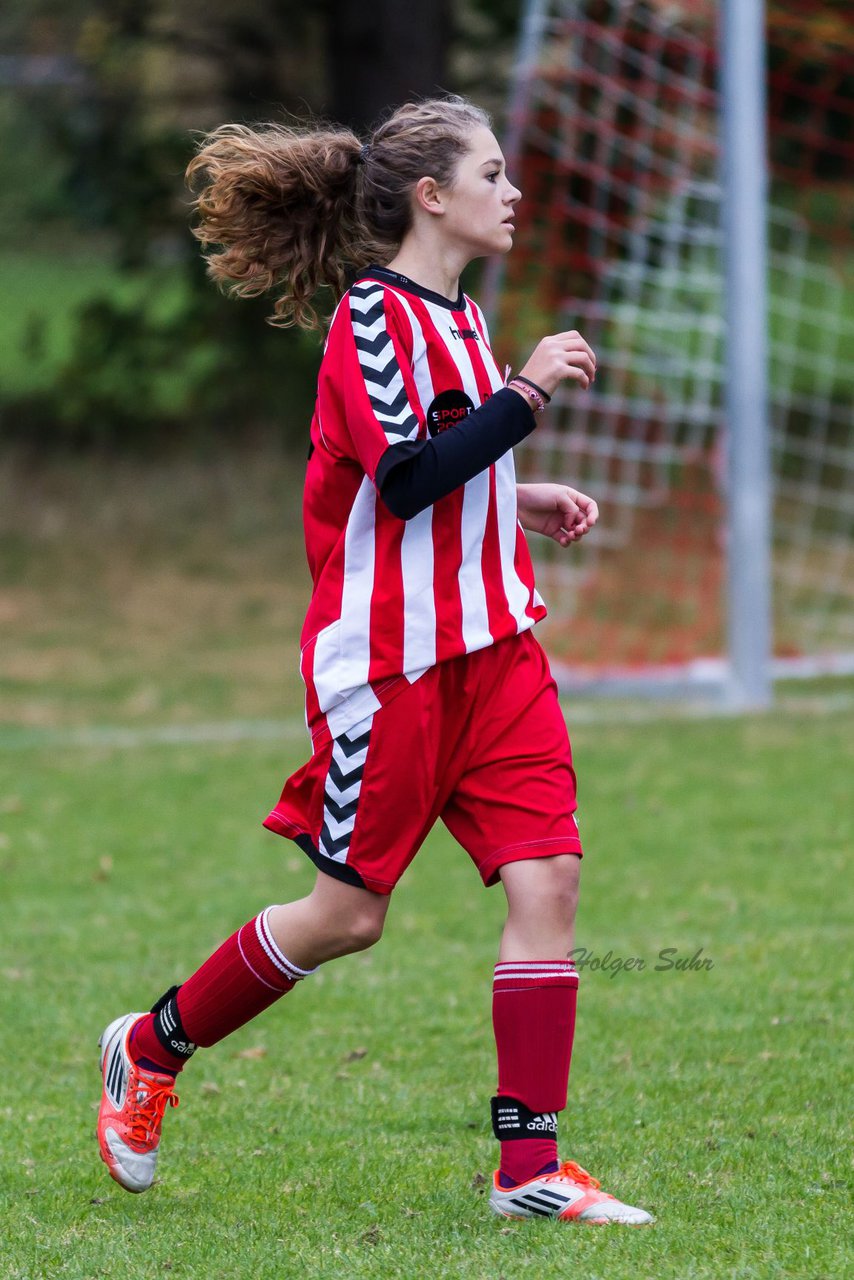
x=345 y=1133
x=352 y=1139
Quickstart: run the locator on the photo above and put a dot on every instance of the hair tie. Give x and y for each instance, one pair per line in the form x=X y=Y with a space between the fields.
x=364 y=153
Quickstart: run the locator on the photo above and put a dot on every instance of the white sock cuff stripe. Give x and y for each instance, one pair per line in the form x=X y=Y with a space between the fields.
x=251 y=967
x=530 y=970
x=282 y=963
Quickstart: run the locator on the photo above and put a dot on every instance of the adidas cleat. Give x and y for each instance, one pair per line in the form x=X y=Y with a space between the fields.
x=570 y=1195
x=133 y=1103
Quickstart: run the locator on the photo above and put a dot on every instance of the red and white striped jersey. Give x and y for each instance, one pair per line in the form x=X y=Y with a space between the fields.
x=393 y=597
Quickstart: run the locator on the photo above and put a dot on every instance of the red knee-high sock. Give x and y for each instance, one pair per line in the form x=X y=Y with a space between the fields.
x=243 y=977
x=533 y=1015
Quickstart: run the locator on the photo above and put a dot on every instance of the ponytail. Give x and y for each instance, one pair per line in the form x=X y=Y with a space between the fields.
x=293 y=209
x=280 y=204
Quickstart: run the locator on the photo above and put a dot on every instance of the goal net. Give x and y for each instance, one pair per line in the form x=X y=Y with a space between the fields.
x=613 y=135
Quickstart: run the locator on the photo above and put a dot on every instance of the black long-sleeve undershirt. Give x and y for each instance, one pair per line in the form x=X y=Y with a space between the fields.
x=414 y=474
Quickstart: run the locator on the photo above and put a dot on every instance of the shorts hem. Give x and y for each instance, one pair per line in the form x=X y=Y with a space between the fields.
x=337 y=870
x=552 y=848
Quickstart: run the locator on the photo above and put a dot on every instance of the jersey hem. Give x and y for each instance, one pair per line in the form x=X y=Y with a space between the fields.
x=359 y=704
x=366 y=701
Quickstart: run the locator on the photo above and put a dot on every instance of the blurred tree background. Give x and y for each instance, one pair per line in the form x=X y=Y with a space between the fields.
x=152 y=431
x=110 y=335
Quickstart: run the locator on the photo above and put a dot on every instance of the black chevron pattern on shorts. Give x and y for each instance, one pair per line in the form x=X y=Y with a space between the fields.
x=350 y=746
x=341 y=812
x=345 y=771
x=344 y=781
x=330 y=846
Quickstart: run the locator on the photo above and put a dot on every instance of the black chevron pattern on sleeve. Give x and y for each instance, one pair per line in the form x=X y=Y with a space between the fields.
x=379 y=363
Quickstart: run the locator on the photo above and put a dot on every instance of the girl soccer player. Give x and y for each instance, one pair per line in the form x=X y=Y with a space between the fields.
x=427 y=695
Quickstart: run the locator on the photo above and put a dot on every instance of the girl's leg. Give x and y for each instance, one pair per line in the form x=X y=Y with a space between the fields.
x=542 y=898
x=335 y=920
x=142 y=1053
x=257 y=965
x=534 y=995
x=534 y=1016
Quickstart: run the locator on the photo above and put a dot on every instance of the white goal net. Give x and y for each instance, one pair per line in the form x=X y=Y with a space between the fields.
x=614 y=141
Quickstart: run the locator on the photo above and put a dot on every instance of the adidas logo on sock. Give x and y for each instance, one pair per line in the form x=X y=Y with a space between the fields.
x=544 y=1123
x=183 y=1048
x=512 y=1119
x=168 y=1026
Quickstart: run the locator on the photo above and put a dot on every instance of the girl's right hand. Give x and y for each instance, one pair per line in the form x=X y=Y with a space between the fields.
x=563 y=355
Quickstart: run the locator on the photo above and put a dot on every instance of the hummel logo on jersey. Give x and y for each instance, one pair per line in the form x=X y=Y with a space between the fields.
x=465 y=333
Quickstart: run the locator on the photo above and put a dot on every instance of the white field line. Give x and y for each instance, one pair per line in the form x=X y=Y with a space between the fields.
x=224 y=732
x=127 y=737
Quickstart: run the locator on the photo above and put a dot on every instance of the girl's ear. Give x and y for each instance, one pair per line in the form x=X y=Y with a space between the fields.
x=428 y=196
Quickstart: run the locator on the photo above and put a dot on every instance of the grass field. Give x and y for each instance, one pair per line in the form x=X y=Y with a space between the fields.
x=345 y=1133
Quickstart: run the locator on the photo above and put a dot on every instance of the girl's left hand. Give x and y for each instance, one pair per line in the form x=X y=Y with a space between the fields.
x=556 y=511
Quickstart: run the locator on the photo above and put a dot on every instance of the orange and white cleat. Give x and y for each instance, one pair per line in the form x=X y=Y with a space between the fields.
x=570 y=1195
x=133 y=1103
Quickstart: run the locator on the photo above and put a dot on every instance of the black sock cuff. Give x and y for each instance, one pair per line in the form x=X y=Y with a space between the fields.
x=512 y=1119
x=168 y=1026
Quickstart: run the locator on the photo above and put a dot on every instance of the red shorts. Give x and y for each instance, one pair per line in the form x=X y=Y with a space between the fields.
x=478 y=741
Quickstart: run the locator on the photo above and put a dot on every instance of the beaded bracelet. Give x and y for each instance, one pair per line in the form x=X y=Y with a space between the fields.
x=529 y=392
x=520 y=377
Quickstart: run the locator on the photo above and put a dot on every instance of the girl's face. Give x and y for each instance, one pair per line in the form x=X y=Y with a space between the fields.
x=478 y=206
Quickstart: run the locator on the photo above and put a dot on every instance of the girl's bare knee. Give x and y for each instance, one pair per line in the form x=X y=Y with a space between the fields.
x=362 y=931
x=349 y=918
x=543 y=891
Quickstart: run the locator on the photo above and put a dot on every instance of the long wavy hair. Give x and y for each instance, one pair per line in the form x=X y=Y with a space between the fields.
x=288 y=209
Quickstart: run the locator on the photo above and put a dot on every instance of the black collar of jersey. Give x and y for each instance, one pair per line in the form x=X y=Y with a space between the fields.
x=409 y=286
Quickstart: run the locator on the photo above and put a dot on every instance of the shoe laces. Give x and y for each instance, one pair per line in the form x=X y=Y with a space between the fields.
x=148 y=1099
x=569 y=1169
